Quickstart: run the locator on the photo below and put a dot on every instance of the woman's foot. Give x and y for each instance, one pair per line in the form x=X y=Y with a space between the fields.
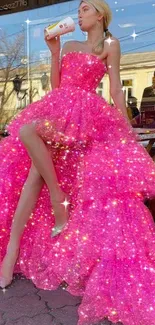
x=60 y=209
x=7 y=267
x=58 y=229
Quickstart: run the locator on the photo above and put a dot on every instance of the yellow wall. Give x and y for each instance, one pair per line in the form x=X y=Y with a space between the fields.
x=141 y=79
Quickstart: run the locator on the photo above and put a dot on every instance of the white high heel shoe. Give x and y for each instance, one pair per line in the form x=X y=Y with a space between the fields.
x=58 y=229
x=5 y=281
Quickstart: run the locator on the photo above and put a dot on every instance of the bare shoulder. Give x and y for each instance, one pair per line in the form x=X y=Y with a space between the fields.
x=70 y=46
x=112 y=45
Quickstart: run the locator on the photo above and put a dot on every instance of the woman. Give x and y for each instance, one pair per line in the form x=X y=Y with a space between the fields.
x=84 y=152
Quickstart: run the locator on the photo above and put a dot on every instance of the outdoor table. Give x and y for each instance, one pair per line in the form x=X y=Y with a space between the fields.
x=147 y=135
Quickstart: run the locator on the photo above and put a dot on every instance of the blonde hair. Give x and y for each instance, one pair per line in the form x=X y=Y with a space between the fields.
x=103 y=8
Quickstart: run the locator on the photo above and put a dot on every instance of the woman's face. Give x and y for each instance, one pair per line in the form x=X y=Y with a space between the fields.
x=87 y=16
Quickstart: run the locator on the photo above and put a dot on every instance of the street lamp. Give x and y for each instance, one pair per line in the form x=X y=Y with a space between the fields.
x=17 y=82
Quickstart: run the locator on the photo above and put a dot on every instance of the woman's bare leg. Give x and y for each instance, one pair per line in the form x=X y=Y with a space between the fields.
x=42 y=160
x=26 y=204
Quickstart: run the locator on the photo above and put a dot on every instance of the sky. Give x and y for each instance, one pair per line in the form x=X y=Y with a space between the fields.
x=129 y=17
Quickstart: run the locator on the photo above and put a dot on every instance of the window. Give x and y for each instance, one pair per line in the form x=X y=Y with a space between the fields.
x=100 y=89
x=127 y=85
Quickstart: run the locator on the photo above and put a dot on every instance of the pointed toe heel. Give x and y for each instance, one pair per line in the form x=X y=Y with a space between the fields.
x=7 y=267
x=4 y=283
x=57 y=230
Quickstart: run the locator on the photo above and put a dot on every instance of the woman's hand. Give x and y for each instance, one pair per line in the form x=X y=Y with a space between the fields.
x=53 y=44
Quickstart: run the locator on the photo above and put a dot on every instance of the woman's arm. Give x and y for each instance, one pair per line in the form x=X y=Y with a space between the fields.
x=54 y=47
x=113 y=65
x=55 y=62
x=55 y=71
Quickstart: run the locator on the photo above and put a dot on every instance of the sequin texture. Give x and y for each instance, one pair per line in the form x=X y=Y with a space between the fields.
x=106 y=255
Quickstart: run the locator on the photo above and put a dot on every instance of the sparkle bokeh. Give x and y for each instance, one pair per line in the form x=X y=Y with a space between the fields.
x=107 y=252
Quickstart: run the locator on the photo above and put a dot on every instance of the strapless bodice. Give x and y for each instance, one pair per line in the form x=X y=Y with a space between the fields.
x=82 y=70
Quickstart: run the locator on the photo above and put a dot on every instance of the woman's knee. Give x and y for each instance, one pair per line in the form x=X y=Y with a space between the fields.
x=26 y=131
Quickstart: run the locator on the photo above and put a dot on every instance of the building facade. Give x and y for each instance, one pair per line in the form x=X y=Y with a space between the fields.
x=136 y=72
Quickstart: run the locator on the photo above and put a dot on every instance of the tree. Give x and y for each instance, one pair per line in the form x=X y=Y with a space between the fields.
x=11 y=54
x=12 y=62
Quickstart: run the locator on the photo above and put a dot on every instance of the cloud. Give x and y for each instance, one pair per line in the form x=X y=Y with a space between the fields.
x=126 y=25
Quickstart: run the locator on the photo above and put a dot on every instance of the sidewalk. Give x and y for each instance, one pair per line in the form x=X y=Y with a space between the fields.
x=24 y=304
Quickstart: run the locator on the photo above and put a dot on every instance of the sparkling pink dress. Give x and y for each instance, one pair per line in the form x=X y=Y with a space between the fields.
x=106 y=255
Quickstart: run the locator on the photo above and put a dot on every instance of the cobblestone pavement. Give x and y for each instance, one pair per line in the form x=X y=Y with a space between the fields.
x=23 y=304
